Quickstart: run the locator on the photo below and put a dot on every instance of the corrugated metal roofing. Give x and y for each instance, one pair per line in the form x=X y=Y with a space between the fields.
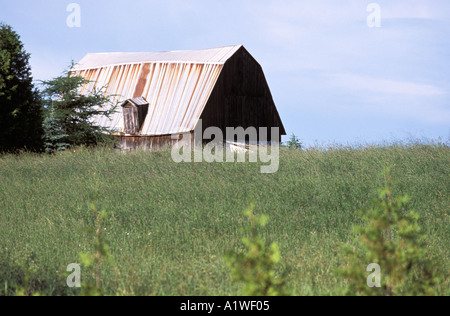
x=214 y=55
x=136 y=101
x=177 y=85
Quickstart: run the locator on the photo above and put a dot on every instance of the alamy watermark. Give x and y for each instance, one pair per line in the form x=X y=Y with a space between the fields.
x=74 y=18
x=239 y=143
x=374 y=18
x=374 y=279
x=74 y=279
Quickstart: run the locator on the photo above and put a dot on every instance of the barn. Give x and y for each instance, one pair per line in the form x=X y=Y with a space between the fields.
x=167 y=93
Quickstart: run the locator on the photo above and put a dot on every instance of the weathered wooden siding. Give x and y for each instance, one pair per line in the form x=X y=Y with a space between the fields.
x=134 y=114
x=242 y=97
x=131 y=119
x=149 y=142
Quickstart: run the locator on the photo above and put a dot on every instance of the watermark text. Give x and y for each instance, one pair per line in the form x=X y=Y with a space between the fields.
x=374 y=18
x=74 y=18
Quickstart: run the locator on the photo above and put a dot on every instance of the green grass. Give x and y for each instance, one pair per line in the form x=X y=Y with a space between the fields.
x=170 y=224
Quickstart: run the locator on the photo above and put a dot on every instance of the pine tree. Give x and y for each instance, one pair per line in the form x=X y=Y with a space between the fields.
x=20 y=109
x=54 y=137
x=294 y=142
x=69 y=114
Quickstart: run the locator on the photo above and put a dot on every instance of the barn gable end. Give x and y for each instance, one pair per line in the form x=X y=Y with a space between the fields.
x=242 y=97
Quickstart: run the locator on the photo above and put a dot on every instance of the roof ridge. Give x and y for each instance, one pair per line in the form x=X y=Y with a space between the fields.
x=218 y=55
x=168 y=51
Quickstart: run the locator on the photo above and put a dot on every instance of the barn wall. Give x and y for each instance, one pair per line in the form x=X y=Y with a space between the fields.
x=242 y=97
x=148 y=142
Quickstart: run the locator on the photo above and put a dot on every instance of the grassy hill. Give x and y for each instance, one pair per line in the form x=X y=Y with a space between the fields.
x=170 y=224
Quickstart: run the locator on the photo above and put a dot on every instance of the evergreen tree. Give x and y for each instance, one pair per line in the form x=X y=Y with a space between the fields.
x=69 y=114
x=54 y=136
x=294 y=142
x=20 y=109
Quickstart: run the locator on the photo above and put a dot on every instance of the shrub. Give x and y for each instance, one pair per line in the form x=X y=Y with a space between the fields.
x=93 y=262
x=392 y=239
x=256 y=268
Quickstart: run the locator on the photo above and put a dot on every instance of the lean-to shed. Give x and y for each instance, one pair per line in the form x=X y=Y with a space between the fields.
x=168 y=93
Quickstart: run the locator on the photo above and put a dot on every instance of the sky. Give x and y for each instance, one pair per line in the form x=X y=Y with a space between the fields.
x=334 y=79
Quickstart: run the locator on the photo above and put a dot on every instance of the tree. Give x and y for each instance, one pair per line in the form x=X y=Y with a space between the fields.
x=54 y=136
x=20 y=108
x=69 y=115
x=294 y=142
x=391 y=240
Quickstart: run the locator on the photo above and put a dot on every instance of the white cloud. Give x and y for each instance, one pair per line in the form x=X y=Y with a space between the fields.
x=399 y=99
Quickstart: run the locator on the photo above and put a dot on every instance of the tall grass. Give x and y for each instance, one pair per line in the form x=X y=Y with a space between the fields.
x=171 y=224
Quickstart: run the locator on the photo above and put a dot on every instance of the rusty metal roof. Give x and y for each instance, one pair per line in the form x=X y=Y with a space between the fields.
x=176 y=84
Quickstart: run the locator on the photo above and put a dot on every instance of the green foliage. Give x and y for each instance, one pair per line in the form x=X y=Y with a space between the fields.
x=20 y=110
x=93 y=261
x=69 y=114
x=256 y=268
x=169 y=224
x=294 y=142
x=392 y=239
x=54 y=137
x=23 y=274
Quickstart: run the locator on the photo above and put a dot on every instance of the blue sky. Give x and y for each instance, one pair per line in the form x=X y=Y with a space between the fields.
x=334 y=79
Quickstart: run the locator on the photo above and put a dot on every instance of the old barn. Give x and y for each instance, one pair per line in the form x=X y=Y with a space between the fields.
x=168 y=93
